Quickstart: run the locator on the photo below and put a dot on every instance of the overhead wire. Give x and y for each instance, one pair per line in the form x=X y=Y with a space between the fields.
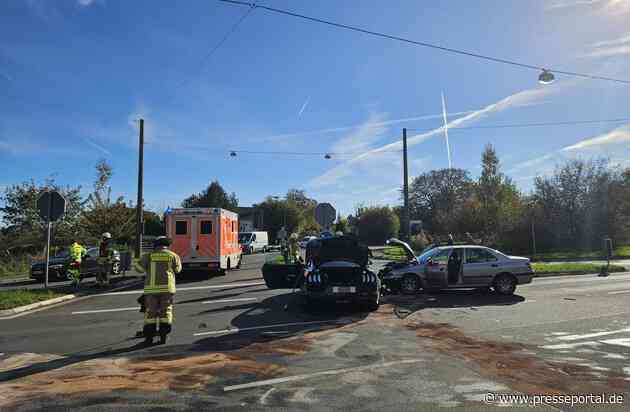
x=524 y=125
x=424 y=44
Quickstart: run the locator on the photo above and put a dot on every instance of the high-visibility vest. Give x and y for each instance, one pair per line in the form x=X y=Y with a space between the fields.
x=77 y=251
x=160 y=266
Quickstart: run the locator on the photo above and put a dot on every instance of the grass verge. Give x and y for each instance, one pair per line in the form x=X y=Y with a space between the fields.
x=10 y=299
x=620 y=252
x=544 y=268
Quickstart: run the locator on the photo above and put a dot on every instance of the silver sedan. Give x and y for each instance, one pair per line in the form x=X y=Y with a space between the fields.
x=459 y=266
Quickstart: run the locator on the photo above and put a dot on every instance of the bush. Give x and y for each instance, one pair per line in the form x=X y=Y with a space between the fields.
x=419 y=242
x=377 y=224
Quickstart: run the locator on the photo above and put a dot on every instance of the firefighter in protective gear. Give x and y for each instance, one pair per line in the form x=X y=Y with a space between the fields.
x=294 y=250
x=160 y=267
x=105 y=259
x=77 y=252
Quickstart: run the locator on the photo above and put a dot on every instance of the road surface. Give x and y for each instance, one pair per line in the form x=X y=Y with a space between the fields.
x=235 y=347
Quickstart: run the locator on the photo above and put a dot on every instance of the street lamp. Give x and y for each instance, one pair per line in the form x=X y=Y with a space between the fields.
x=232 y=154
x=546 y=77
x=327 y=156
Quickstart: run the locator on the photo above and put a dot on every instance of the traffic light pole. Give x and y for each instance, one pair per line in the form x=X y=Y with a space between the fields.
x=139 y=204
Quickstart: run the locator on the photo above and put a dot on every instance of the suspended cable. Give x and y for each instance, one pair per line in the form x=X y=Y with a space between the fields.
x=425 y=44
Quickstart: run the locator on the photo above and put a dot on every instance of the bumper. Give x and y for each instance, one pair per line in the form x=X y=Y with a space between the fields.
x=342 y=293
x=524 y=278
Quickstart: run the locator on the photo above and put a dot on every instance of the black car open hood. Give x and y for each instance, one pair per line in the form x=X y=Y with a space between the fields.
x=338 y=248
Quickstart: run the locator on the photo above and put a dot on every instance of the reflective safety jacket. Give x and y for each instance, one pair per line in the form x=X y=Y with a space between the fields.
x=77 y=252
x=105 y=253
x=161 y=265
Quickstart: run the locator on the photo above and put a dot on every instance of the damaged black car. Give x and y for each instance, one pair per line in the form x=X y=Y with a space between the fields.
x=337 y=270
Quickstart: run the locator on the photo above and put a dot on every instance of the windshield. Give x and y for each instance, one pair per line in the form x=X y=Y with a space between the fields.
x=422 y=258
x=244 y=237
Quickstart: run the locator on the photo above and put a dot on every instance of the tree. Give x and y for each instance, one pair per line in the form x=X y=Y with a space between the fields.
x=306 y=207
x=439 y=198
x=22 y=225
x=213 y=196
x=153 y=225
x=377 y=224
x=342 y=225
x=279 y=213
x=102 y=214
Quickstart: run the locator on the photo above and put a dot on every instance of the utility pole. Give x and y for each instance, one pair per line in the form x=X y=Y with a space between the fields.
x=533 y=238
x=139 y=205
x=405 y=188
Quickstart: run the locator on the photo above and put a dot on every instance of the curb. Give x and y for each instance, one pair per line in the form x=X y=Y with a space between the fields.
x=23 y=310
x=36 y=305
x=552 y=274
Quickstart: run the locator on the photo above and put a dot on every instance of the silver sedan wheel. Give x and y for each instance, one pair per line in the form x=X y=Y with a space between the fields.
x=505 y=285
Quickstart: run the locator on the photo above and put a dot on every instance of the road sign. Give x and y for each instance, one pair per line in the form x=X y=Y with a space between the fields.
x=282 y=233
x=51 y=205
x=325 y=214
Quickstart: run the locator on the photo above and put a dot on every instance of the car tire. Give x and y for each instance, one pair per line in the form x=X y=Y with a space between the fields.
x=410 y=284
x=372 y=306
x=504 y=284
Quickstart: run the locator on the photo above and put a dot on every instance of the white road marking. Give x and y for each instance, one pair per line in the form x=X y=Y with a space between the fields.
x=621 y=342
x=592 y=335
x=617 y=292
x=233 y=285
x=85 y=312
x=571 y=345
x=277 y=325
x=318 y=374
x=263 y=398
x=229 y=300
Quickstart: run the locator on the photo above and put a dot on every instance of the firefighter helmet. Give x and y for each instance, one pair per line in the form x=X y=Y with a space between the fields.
x=162 y=241
x=106 y=235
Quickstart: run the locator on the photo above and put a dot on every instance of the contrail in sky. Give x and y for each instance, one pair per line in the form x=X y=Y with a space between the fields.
x=308 y=99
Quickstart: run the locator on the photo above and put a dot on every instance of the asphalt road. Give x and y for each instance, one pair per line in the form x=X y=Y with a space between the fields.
x=235 y=347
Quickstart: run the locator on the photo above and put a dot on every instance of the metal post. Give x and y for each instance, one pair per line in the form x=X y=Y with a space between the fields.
x=405 y=188
x=139 y=205
x=533 y=238
x=47 y=253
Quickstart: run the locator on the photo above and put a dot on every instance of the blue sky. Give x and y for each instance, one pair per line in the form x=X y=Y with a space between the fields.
x=76 y=74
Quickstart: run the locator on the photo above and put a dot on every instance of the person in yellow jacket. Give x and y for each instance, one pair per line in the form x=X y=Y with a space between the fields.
x=77 y=252
x=160 y=267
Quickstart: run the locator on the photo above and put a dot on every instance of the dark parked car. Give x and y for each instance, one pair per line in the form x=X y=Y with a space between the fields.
x=337 y=269
x=58 y=266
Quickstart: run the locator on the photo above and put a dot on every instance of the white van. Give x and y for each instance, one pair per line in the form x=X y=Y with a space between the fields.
x=252 y=242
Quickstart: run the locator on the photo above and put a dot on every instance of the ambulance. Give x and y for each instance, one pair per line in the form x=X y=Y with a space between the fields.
x=204 y=238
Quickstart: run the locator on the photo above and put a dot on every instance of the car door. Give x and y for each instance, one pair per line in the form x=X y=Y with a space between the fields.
x=89 y=263
x=436 y=269
x=480 y=267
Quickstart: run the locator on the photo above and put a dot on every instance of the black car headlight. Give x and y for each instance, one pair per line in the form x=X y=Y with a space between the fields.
x=368 y=278
x=315 y=279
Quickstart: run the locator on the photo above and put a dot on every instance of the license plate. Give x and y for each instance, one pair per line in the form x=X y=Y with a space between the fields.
x=37 y=272
x=344 y=289
x=194 y=265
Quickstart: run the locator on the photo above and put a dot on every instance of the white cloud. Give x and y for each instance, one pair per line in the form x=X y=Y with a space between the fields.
x=545 y=163
x=98 y=147
x=607 y=48
x=525 y=97
x=609 y=6
x=308 y=99
x=286 y=136
x=363 y=137
x=85 y=3
x=618 y=135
